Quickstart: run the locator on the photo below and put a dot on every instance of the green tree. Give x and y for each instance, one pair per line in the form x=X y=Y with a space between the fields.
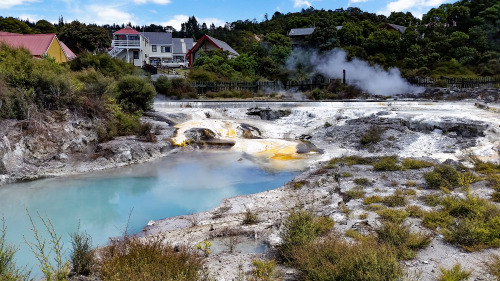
x=43 y=26
x=135 y=94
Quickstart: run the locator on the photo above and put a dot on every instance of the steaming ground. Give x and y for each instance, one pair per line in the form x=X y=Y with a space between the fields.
x=437 y=131
x=370 y=78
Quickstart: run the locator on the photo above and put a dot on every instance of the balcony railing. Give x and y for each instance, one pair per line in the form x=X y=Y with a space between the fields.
x=126 y=43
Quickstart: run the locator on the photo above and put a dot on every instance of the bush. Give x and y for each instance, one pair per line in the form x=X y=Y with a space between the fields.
x=135 y=94
x=388 y=163
x=443 y=176
x=372 y=199
x=372 y=136
x=299 y=228
x=400 y=236
x=494 y=266
x=335 y=259
x=415 y=164
x=456 y=273
x=81 y=255
x=362 y=181
x=8 y=268
x=435 y=219
x=112 y=67
x=395 y=200
x=163 y=86
x=350 y=160
x=264 y=270
x=135 y=259
x=391 y=215
x=415 y=211
x=356 y=192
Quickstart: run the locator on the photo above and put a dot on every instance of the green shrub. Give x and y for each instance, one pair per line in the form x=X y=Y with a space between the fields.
x=495 y=197
x=103 y=63
x=415 y=164
x=346 y=175
x=435 y=219
x=372 y=136
x=494 y=266
x=264 y=270
x=163 y=86
x=249 y=217
x=395 y=200
x=362 y=181
x=82 y=255
x=415 y=211
x=135 y=94
x=350 y=160
x=296 y=185
x=411 y=183
x=392 y=215
x=400 y=236
x=410 y=192
x=432 y=200
x=299 y=228
x=8 y=268
x=135 y=259
x=456 y=273
x=387 y=163
x=333 y=258
x=372 y=199
x=443 y=176
x=356 y=192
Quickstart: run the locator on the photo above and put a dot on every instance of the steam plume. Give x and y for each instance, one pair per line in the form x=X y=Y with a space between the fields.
x=372 y=79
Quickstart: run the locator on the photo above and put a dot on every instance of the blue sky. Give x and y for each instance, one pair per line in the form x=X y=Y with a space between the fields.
x=175 y=12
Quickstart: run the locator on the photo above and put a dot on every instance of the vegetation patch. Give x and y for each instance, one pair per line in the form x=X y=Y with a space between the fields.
x=456 y=273
x=392 y=215
x=446 y=176
x=387 y=163
x=415 y=211
x=396 y=200
x=494 y=266
x=372 y=136
x=356 y=192
x=409 y=163
x=363 y=181
x=264 y=270
x=133 y=259
x=296 y=185
x=399 y=235
x=372 y=199
x=350 y=160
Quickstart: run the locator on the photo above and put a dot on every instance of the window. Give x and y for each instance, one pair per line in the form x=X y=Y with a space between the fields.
x=165 y=49
x=136 y=55
x=153 y=48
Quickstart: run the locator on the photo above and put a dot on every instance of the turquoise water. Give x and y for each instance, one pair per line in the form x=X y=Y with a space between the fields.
x=101 y=203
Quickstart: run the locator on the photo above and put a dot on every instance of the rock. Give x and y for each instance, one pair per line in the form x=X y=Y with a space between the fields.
x=307 y=147
x=268 y=114
x=249 y=131
x=205 y=138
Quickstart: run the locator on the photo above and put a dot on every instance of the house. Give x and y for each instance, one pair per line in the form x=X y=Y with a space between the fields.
x=39 y=45
x=298 y=36
x=398 y=28
x=155 y=48
x=208 y=43
x=130 y=45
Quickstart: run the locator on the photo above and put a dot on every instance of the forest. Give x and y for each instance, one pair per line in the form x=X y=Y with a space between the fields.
x=454 y=40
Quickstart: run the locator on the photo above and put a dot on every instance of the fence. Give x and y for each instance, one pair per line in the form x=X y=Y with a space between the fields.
x=268 y=86
x=457 y=82
x=309 y=85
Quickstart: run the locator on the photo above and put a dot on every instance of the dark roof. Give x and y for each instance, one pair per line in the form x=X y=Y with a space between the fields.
x=399 y=28
x=301 y=31
x=182 y=45
x=223 y=45
x=158 y=38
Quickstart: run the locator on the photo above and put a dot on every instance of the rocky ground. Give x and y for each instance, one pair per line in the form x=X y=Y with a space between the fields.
x=279 y=135
x=432 y=131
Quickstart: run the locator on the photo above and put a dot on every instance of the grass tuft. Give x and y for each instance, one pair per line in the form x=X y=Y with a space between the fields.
x=456 y=273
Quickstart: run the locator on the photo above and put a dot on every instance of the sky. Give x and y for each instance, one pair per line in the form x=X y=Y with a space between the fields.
x=175 y=12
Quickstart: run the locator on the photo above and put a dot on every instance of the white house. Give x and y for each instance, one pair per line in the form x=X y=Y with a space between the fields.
x=155 y=48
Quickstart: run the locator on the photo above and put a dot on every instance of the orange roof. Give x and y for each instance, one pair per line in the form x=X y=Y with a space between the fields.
x=37 y=44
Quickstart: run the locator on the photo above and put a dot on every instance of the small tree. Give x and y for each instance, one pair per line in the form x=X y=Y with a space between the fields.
x=135 y=94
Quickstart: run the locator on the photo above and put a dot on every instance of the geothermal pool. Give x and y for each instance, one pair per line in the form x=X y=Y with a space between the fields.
x=101 y=202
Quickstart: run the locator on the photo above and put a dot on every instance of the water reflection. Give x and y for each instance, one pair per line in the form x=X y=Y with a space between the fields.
x=101 y=202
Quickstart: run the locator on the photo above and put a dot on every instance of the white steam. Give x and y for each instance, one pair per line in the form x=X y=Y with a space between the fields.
x=372 y=79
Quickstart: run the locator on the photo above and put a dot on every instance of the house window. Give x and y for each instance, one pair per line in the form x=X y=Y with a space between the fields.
x=136 y=55
x=153 y=48
x=165 y=49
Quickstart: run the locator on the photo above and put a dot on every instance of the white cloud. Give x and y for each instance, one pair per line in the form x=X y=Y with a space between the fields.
x=209 y=21
x=300 y=3
x=177 y=20
x=159 y=2
x=7 y=4
x=108 y=15
x=416 y=7
x=357 y=1
x=30 y=17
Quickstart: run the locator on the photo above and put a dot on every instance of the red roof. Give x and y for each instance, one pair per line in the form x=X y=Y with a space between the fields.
x=69 y=54
x=127 y=30
x=37 y=44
